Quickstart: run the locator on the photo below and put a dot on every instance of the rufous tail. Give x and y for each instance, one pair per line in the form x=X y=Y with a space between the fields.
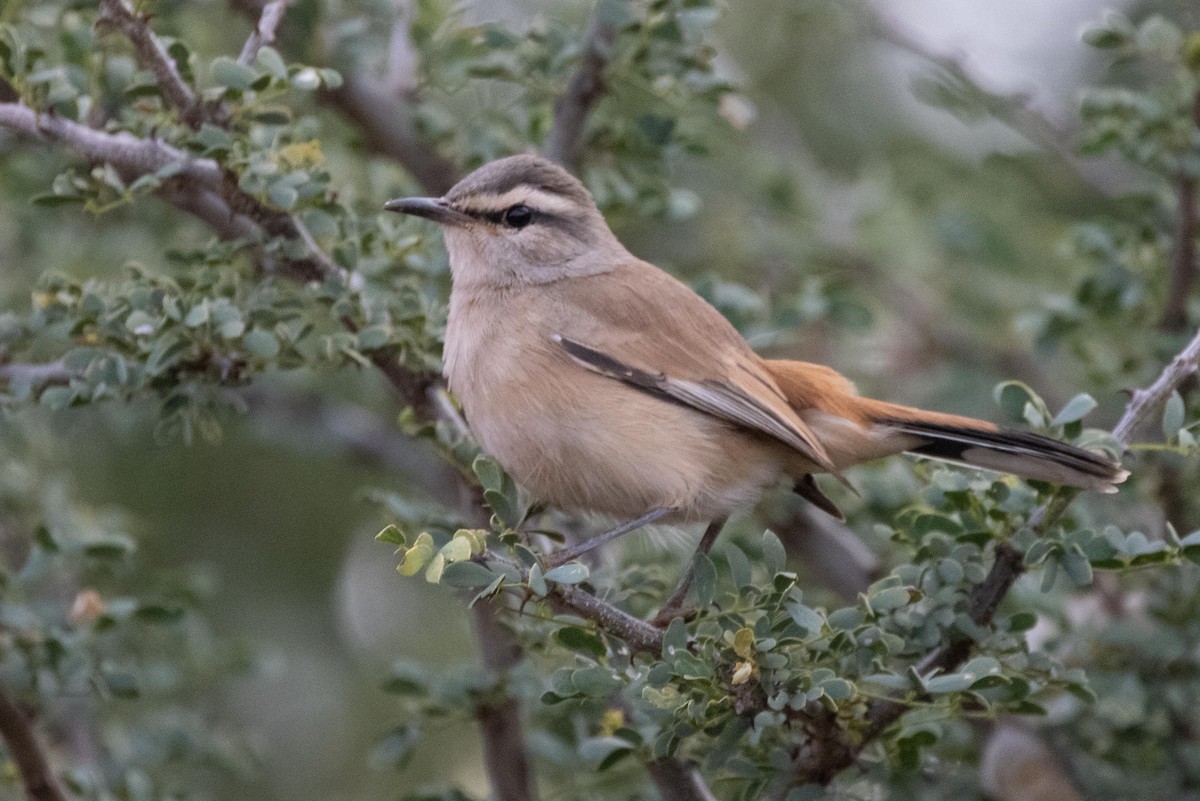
x=826 y=401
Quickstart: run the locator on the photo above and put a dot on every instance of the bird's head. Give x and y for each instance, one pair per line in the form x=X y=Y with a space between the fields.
x=518 y=220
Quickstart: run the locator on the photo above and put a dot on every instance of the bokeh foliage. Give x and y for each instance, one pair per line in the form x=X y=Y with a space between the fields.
x=820 y=231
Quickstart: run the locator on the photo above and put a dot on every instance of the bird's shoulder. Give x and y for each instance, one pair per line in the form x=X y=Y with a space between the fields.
x=649 y=318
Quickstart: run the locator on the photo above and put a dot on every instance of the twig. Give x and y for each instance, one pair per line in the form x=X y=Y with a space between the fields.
x=264 y=31
x=1183 y=266
x=155 y=57
x=830 y=750
x=504 y=755
x=28 y=752
x=677 y=780
x=51 y=373
x=389 y=128
x=564 y=142
x=639 y=635
x=401 y=74
x=198 y=186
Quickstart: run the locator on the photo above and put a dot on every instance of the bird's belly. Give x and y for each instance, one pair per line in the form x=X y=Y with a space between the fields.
x=622 y=455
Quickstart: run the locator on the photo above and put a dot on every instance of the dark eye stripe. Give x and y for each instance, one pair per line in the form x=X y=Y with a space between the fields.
x=497 y=217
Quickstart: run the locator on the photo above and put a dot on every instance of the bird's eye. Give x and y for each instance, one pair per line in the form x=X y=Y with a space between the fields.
x=518 y=216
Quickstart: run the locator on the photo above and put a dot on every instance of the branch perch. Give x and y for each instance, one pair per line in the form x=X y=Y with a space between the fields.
x=264 y=31
x=154 y=56
x=28 y=753
x=564 y=142
x=830 y=751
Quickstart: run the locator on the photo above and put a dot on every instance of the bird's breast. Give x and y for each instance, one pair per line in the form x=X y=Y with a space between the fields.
x=579 y=440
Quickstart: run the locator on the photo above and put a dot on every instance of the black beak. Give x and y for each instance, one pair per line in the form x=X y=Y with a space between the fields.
x=431 y=208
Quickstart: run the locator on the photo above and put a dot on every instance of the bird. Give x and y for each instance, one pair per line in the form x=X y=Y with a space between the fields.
x=601 y=383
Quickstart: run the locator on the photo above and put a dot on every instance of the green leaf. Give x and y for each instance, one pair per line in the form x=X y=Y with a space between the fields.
x=570 y=573
x=306 y=79
x=1077 y=567
x=141 y=323
x=468 y=575
x=159 y=614
x=282 y=195
x=121 y=684
x=269 y=59
x=739 y=566
x=805 y=617
x=704 y=579
x=456 y=550
x=889 y=599
x=1173 y=414
x=597 y=682
x=774 y=555
x=1012 y=397
x=416 y=557
x=1075 y=409
x=838 y=689
x=602 y=749
x=488 y=473
x=197 y=315
x=1104 y=38
x=675 y=639
x=260 y=343
x=374 y=337
x=227 y=72
x=537 y=582
x=584 y=642
x=391 y=534
x=743 y=643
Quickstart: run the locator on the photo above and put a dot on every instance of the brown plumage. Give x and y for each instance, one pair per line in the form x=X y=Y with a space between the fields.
x=602 y=383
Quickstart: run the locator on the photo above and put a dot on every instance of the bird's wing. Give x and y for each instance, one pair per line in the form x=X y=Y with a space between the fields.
x=662 y=338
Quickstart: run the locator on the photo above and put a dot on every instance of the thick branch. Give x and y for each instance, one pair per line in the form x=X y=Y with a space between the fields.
x=264 y=31
x=504 y=755
x=28 y=753
x=830 y=751
x=564 y=142
x=154 y=57
x=127 y=153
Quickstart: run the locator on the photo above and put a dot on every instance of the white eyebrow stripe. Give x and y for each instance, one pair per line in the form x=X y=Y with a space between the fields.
x=538 y=199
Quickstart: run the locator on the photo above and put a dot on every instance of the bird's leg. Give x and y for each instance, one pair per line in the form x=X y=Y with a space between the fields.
x=576 y=551
x=674 y=606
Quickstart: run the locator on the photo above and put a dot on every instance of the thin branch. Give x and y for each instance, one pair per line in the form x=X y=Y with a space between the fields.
x=401 y=73
x=678 y=780
x=37 y=374
x=264 y=31
x=564 y=142
x=28 y=753
x=830 y=750
x=639 y=635
x=154 y=56
x=389 y=127
x=1183 y=266
x=831 y=553
x=381 y=108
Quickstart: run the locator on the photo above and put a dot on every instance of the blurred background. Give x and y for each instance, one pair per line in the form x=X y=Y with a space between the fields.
x=864 y=204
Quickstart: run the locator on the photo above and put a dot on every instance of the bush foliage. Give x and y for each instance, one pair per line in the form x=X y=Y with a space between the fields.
x=197 y=217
